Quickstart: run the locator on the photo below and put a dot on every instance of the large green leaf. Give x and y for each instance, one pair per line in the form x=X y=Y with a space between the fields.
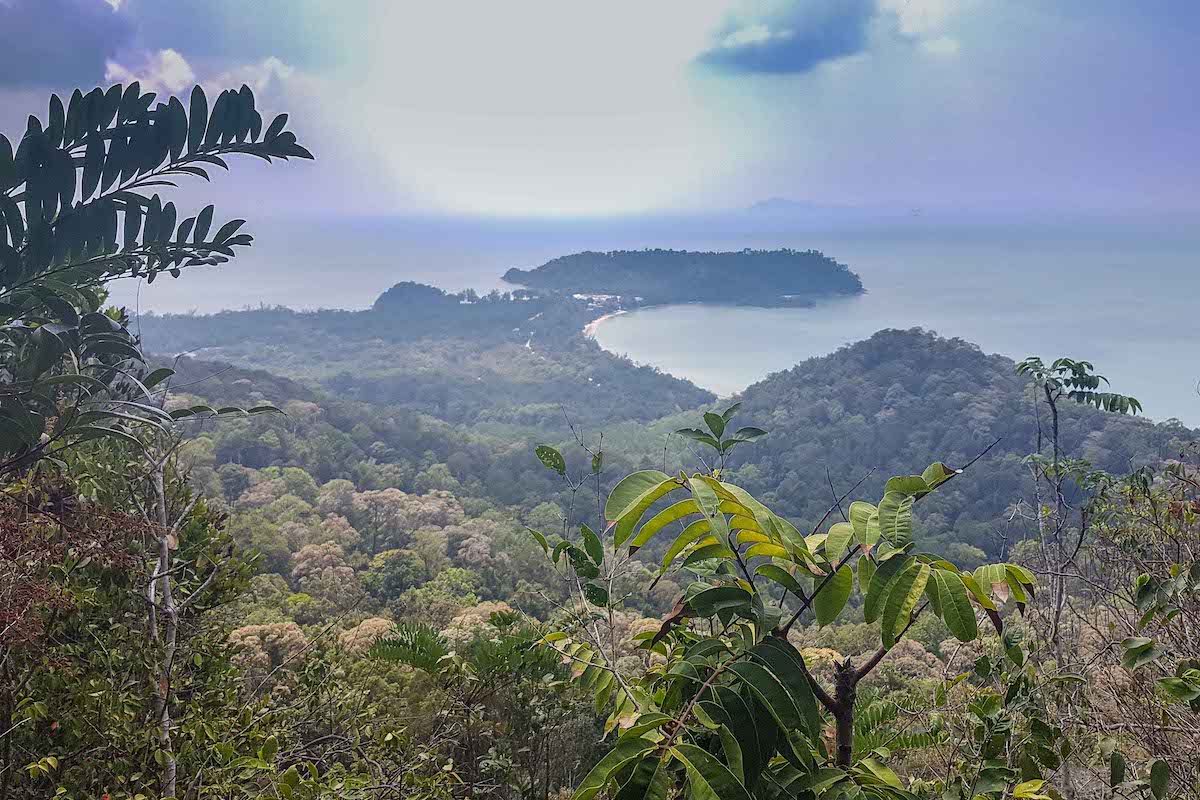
x=691 y=533
x=907 y=484
x=770 y=692
x=591 y=544
x=902 y=599
x=1139 y=651
x=709 y=502
x=720 y=598
x=651 y=780
x=736 y=713
x=895 y=517
x=626 y=750
x=859 y=512
x=733 y=752
x=1160 y=778
x=661 y=520
x=551 y=458
x=631 y=497
x=716 y=778
x=787 y=664
x=781 y=576
x=829 y=601
x=881 y=584
x=956 y=608
x=866 y=571
x=838 y=539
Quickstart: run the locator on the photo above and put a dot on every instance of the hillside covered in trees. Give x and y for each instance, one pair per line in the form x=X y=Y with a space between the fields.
x=751 y=277
x=447 y=547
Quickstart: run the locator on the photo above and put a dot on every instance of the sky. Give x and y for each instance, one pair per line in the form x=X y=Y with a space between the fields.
x=550 y=108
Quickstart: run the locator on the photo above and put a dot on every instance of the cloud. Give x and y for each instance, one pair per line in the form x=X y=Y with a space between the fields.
x=261 y=76
x=165 y=71
x=59 y=43
x=794 y=39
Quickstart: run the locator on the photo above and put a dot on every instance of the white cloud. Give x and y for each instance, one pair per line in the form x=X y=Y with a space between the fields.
x=260 y=77
x=752 y=34
x=165 y=70
x=921 y=18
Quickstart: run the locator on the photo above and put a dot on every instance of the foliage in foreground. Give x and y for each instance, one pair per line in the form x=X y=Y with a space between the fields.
x=726 y=706
x=77 y=210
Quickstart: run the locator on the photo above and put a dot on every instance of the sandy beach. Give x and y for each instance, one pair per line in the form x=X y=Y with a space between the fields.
x=590 y=328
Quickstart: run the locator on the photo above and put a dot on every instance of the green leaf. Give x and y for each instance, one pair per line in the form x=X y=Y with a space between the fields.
x=1160 y=778
x=838 y=539
x=540 y=539
x=732 y=751
x=716 y=778
x=596 y=594
x=866 y=571
x=715 y=423
x=697 y=435
x=781 y=576
x=818 y=781
x=956 y=608
x=830 y=600
x=895 y=518
x=551 y=458
x=1116 y=769
x=907 y=484
x=770 y=692
x=1139 y=651
x=690 y=534
x=269 y=749
x=606 y=768
x=197 y=119
x=203 y=223
x=787 y=665
x=661 y=520
x=650 y=780
x=749 y=434
x=937 y=473
x=1179 y=689
x=157 y=376
x=715 y=599
x=631 y=497
x=591 y=543
x=902 y=599
x=885 y=572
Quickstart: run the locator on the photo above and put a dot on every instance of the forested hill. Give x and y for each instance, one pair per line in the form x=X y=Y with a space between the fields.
x=894 y=402
x=902 y=399
x=503 y=359
x=757 y=277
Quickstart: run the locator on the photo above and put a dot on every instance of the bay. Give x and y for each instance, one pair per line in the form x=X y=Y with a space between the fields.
x=1122 y=294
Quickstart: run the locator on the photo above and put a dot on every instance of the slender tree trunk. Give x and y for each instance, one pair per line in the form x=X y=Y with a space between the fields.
x=161 y=675
x=843 y=712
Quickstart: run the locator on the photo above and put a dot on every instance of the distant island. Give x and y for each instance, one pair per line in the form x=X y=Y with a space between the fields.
x=746 y=277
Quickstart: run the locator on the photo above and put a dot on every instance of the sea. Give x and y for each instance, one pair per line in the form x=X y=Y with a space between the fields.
x=1123 y=294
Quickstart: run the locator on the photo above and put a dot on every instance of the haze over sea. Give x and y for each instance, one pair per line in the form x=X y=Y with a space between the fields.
x=1121 y=294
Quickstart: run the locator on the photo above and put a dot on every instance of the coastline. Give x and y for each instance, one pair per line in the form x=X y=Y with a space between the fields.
x=589 y=330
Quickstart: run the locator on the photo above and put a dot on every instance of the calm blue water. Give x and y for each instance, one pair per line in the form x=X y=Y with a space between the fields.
x=1122 y=296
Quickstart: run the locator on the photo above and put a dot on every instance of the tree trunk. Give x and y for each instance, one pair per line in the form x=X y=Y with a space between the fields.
x=843 y=712
x=162 y=600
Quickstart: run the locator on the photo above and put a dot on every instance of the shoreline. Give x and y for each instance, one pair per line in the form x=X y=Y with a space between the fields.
x=589 y=330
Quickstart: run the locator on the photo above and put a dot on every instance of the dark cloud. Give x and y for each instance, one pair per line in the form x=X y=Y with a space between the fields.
x=59 y=44
x=794 y=40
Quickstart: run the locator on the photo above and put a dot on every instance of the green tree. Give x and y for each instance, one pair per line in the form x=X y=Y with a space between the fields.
x=78 y=211
x=729 y=707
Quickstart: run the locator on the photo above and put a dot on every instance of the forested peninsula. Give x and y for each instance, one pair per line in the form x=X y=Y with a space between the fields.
x=782 y=277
